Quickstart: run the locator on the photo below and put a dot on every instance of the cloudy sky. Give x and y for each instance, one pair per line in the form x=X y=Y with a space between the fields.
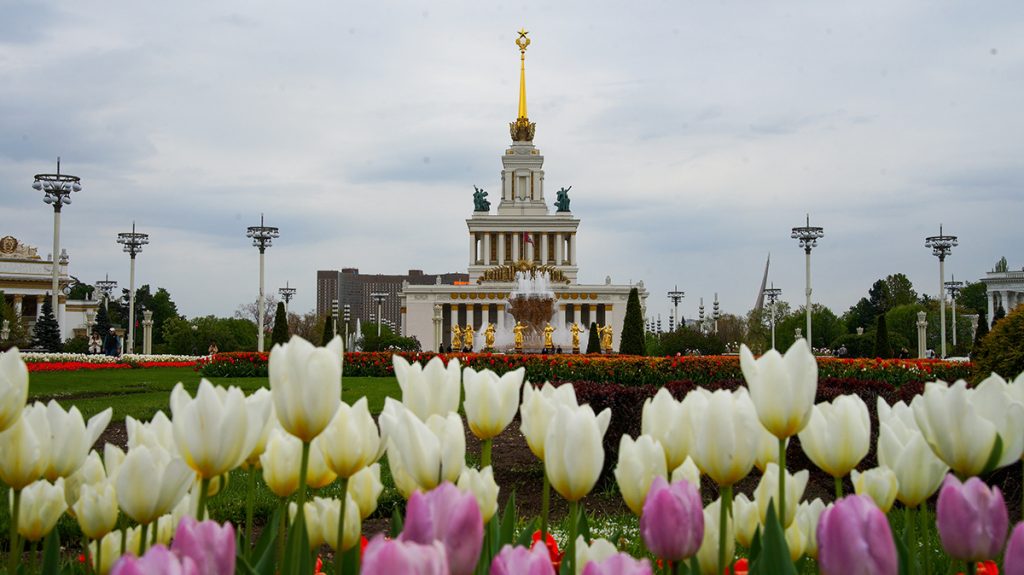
x=695 y=136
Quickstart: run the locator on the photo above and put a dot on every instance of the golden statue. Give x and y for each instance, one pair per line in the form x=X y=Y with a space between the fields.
x=467 y=337
x=548 y=330
x=606 y=338
x=575 y=329
x=518 y=331
x=456 y=338
x=489 y=336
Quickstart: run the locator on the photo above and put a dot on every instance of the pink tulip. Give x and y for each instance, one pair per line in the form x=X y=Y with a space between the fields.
x=388 y=556
x=157 y=561
x=450 y=516
x=854 y=539
x=972 y=519
x=210 y=546
x=618 y=564
x=522 y=561
x=672 y=523
x=1013 y=559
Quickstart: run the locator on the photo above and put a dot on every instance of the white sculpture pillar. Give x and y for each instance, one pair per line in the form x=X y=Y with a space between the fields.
x=147 y=332
x=472 y=249
x=991 y=307
x=572 y=250
x=922 y=335
x=5 y=330
x=517 y=239
x=501 y=249
x=531 y=246
x=1004 y=299
x=559 y=249
x=561 y=316
x=17 y=307
x=487 y=249
x=501 y=316
x=437 y=326
x=544 y=248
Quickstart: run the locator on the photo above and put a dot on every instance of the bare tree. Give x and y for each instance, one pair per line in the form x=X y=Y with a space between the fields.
x=308 y=326
x=250 y=311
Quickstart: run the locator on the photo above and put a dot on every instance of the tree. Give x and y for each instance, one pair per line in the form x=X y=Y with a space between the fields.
x=901 y=290
x=882 y=347
x=973 y=298
x=1002 y=350
x=631 y=341
x=686 y=341
x=250 y=311
x=46 y=334
x=102 y=320
x=163 y=308
x=826 y=327
x=878 y=295
x=194 y=336
x=862 y=314
x=309 y=326
x=328 y=333
x=280 y=333
x=999 y=314
x=593 y=341
x=979 y=335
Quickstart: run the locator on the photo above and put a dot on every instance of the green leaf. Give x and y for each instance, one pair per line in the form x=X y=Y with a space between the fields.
x=350 y=560
x=396 y=524
x=993 y=456
x=773 y=558
x=904 y=557
x=526 y=535
x=755 y=544
x=265 y=545
x=584 y=528
x=508 y=522
x=51 y=554
x=297 y=557
x=242 y=566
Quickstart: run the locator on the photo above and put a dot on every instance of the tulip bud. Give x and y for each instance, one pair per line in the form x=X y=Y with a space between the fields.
x=425 y=449
x=796 y=541
x=389 y=556
x=322 y=522
x=902 y=448
x=519 y=560
x=90 y=473
x=150 y=483
x=280 y=463
x=157 y=432
x=707 y=555
x=574 y=454
x=365 y=488
x=782 y=388
x=687 y=471
x=157 y=561
x=96 y=509
x=597 y=551
x=447 y=515
x=807 y=516
x=953 y=427
x=42 y=504
x=854 y=537
x=972 y=519
x=879 y=484
x=539 y=409
x=70 y=438
x=618 y=564
x=13 y=387
x=260 y=407
x=666 y=420
x=428 y=390
x=211 y=430
x=838 y=435
x=768 y=489
x=1013 y=557
x=491 y=400
x=111 y=544
x=729 y=430
x=482 y=486
x=747 y=518
x=351 y=441
x=995 y=402
x=672 y=523
x=640 y=461
x=209 y=545
x=24 y=449
x=305 y=384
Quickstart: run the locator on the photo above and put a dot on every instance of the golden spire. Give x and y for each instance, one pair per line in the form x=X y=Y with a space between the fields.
x=522 y=129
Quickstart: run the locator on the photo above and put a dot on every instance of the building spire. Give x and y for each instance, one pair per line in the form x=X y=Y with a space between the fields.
x=522 y=129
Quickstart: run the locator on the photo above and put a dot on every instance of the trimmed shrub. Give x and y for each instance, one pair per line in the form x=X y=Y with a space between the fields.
x=1002 y=350
x=280 y=334
x=593 y=340
x=631 y=342
x=882 y=347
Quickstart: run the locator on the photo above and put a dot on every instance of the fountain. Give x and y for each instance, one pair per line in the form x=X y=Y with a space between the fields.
x=533 y=303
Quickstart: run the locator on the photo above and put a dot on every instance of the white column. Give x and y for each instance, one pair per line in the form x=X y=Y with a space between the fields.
x=572 y=250
x=1005 y=300
x=531 y=246
x=472 y=249
x=56 y=265
x=501 y=316
x=561 y=316
x=260 y=311
x=810 y=342
x=66 y=330
x=147 y=332
x=559 y=249
x=922 y=334
x=130 y=346
x=942 y=307
x=487 y=248
x=39 y=306
x=517 y=239
x=501 y=249
x=17 y=307
x=991 y=307
x=544 y=248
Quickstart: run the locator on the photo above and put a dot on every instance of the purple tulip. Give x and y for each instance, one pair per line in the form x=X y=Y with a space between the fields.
x=972 y=519
x=388 y=556
x=854 y=539
x=1013 y=559
x=672 y=523
x=450 y=516
x=618 y=564
x=157 y=561
x=209 y=545
x=522 y=561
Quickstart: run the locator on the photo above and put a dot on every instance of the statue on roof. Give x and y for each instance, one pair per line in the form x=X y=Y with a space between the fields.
x=480 y=203
x=562 y=203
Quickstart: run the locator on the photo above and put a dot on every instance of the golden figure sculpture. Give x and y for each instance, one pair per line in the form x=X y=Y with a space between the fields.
x=489 y=336
x=548 y=330
x=518 y=331
x=606 y=338
x=575 y=329
x=456 y=338
x=467 y=337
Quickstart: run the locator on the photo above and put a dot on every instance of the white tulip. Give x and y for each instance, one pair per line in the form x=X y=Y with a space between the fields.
x=598 y=550
x=768 y=490
x=70 y=438
x=90 y=473
x=96 y=509
x=113 y=457
x=280 y=462
x=24 y=449
x=838 y=436
x=42 y=504
x=430 y=452
x=796 y=541
x=13 y=387
x=665 y=419
x=995 y=402
x=111 y=545
x=429 y=390
x=365 y=488
x=539 y=408
x=879 y=483
x=351 y=441
x=807 y=516
x=574 y=454
x=728 y=427
x=491 y=401
x=953 y=427
x=767 y=449
x=404 y=482
x=150 y=483
x=260 y=406
x=640 y=461
x=483 y=487
x=782 y=387
x=707 y=555
x=305 y=384
x=902 y=448
x=322 y=516
x=157 y=432
x=747 y=518
x=211 y=429
x=687 y=471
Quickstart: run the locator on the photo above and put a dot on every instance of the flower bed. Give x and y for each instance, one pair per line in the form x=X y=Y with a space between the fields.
x=37 y=362
x=625 y=370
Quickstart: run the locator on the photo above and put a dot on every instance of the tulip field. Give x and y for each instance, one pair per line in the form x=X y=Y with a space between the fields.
x=276 y=463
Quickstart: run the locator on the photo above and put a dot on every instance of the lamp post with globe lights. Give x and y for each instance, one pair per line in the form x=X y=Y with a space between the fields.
x=57 y=189
x=941 y=246
x=287 y=293
x=772 y=294
x=262 y=238
x=954 y=287
x=379 y=297
x=132 y=242
x=675 y=296
x=106 y=287
x=716 y=313
x=808 y=237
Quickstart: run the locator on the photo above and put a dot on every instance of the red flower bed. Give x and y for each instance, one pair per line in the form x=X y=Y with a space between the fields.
x=86 y=366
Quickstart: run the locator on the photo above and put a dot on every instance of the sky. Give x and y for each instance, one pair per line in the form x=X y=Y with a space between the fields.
x=695 y=135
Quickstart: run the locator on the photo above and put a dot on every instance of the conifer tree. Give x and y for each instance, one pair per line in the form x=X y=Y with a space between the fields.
x=328 y=329
x=631 y=341
x=102 y=320
x=46 y=334
x=593 y=341
x=280 y=333
x=980 y=333
x=883 y=348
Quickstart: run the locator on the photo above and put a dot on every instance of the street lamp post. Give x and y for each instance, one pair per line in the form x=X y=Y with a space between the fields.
x=106 y=287
x=348 y=315
x=700 y=315
x=379 y=298
x=262 y=238
x=57 y=190
x=954 y=287
x=132 y=242
x=941 y=246
x=773 y=294
x=715 y=314
x=675 y=296
x=287 y=293
x=334 y=314
x=808 y=237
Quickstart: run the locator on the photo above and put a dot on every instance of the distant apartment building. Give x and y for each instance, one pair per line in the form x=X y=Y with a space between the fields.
x=350 y=287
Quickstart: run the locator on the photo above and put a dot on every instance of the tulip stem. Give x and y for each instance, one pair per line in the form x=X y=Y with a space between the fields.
x=142 y=538
x=570 y=549
x=99 y=554
x=544 y=507
x=338 y=564
x=250 y=502
x=926 y=558
x=12 y=561
x=723 y=523
x=782 y=484
x=204 y=487
x=911 y=542
x=971 y=568
x=485 y=453
x=839 y=487
x=282 y=528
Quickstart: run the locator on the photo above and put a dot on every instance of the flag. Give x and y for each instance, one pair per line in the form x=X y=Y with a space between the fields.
x=526 y=238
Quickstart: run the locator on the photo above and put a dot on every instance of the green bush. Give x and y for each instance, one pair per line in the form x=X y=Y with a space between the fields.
x=631 y=342
x=1002 y=350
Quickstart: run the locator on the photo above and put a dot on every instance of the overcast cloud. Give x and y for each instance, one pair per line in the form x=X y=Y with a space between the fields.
x=694 y=134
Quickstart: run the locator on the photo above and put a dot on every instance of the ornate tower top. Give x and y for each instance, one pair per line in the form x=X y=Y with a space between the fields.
x=522 y=129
